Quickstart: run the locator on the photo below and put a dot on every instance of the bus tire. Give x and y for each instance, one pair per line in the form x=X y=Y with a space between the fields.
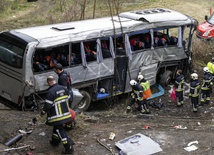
x=85 y=102
x=166 y=78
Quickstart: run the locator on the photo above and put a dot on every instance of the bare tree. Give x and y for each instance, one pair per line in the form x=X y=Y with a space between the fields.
x=94 y=8
x=117 y=4
x=62 y=5
x=83 y=6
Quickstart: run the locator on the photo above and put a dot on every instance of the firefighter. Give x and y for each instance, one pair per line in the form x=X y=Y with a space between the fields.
x=146 y=90
x=210 y=66
x=206 y=87
x=194 y=91
x=137 y=97
x=179 y=83
x=57 y=109
x=65 y=80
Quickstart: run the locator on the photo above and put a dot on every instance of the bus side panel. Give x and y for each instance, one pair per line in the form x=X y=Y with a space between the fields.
x=140 y=59
x=93 y=71
x=40 y=80
x=11 y=85
x=79 y=74
x=147 y=62
x=169 y=54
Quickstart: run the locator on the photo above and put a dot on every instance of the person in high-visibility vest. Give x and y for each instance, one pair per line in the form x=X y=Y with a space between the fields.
x=210 y=66
x=146 y=91
x=136 y=97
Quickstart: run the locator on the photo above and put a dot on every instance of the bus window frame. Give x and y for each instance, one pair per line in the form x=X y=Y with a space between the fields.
x=14 y=56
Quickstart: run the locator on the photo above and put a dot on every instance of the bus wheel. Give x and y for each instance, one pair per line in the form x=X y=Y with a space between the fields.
x=166 y=78
x=85 y=102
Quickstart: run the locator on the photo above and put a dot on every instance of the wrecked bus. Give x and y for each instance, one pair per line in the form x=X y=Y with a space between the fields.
x=102 y=55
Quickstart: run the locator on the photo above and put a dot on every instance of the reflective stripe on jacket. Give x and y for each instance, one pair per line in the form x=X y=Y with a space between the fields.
x=207 y=82
x=194 y=88
x=137 y=92
x=179 y=83
x=56 y=105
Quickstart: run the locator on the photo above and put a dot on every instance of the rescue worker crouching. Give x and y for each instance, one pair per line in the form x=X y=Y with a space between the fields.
x=137 y=97
x=194 y=91
x=57 y=109
x=179 y=84
x=206 y=87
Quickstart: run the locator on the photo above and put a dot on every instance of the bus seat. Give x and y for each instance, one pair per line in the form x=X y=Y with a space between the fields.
x=106 y=53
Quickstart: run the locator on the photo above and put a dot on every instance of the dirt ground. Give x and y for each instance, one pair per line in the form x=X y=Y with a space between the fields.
x=102 y=119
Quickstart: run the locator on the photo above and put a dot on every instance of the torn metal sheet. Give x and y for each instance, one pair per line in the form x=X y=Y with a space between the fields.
x=138 y=144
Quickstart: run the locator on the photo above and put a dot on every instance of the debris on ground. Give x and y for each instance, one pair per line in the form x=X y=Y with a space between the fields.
x=180 y=127
x=190 y=147
x=130 y=145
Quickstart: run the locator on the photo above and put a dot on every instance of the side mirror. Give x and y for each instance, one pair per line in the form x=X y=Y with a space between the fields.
x=206 y=17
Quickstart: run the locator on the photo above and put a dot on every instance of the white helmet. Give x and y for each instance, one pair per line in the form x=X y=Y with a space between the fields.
x=206 y=69
x=140 y=77
x=194 y=76
x=102 y=90
x=133 y=82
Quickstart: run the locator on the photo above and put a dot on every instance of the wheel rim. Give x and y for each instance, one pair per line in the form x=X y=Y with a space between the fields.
x=82 y=103
x=168 y=80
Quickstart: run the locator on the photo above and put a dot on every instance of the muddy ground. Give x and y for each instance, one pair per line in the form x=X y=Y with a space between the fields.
x=101 y=119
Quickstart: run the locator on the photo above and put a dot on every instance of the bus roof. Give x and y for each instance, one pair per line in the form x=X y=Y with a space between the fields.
x=50 y=35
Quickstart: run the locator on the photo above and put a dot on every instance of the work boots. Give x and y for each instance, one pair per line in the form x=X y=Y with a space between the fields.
x=68 y=150
x=70 y=126
x=54 y=143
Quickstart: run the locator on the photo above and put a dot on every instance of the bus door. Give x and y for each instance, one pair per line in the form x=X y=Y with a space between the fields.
x=11 y=68
x=120 y=74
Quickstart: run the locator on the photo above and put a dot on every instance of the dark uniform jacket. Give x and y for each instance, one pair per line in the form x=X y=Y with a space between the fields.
x=194 y=88
x=56 y=105
x=137 y=92
x=64 y=80
x=207 y=81
x=179 y=83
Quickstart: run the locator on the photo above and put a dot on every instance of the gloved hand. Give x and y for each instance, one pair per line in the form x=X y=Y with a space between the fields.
x=128 y=109
x=139 y=98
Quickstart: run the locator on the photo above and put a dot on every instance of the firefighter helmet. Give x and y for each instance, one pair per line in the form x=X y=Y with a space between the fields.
x=206 y=69
x=140 y=77
x=194 y=76
x=133 y=83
